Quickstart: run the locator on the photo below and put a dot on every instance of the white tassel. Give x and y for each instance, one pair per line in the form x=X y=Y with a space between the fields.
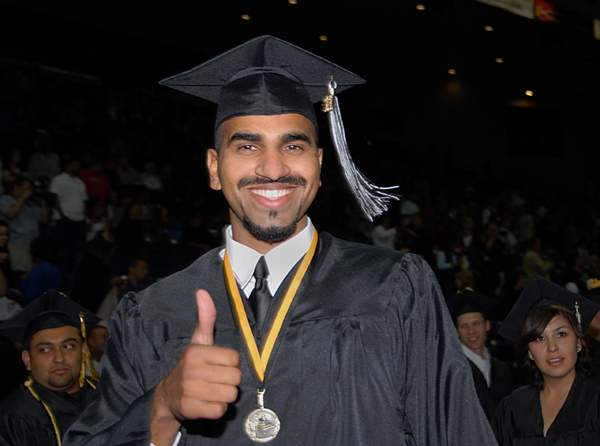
x=372 y=199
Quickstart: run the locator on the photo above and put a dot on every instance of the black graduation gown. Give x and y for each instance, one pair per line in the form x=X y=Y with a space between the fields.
x=25 y=422
x=518 y=420
x=367 y=355
x=500 y=387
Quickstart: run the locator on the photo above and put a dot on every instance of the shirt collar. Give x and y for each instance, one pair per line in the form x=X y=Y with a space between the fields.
x=280 y=260
x=483 y=364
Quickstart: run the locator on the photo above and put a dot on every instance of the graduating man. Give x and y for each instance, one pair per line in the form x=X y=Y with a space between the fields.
x=39 y=411
x=285 y=335
x=492 y=377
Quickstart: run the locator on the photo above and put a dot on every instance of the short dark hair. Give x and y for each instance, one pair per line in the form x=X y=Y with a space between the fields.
x=534 y=325
x=19 y=181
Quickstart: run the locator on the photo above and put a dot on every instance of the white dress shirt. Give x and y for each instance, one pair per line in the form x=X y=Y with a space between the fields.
x=483 y=364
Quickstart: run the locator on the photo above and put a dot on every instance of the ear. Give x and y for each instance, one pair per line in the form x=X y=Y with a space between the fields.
x=212 y=163
x=579 y=345
x=320 y=155
x=529 y=354
x=84 y=348
x=26 y=359
x=488 y=325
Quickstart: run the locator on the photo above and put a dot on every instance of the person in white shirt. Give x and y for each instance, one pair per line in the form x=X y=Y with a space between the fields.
x=70 y=203
x=492 y=377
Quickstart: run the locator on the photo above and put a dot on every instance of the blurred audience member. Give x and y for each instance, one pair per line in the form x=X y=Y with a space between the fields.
x=150 y=179
x=130 y=229
x=536 y=263
x=95 y=219
x=44 y=164
x=408 y=208
x=383 y=233
x=92 y=280
x=464 y=280
x=44 y=275
x=70 y=203
x=12 y=169
x=23 y=212
x=128 y=175
x=96 y=182
x=96 y=340
x=137 y=272
x=196 y=235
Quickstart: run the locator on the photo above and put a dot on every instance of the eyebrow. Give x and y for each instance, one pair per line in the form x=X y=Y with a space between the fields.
x=290 y=137
x=563 y=326
x=241 y=136
x=64 y=341
x=255 y=137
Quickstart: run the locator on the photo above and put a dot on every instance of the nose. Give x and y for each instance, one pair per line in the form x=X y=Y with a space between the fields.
x=552 y=345
x=272 y=164
x=59 y=356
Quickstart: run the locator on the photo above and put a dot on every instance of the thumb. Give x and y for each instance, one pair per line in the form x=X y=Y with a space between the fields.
x=207 y=315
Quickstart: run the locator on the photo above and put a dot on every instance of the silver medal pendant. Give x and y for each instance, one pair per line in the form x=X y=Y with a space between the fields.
x=262 y=425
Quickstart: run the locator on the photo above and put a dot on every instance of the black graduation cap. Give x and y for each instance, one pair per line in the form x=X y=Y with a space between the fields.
x=469 y=302
x=268 y=76
x=541 y=292
x=51 y=310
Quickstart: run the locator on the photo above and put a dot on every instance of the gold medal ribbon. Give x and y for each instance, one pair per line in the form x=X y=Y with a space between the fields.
x=260 y=360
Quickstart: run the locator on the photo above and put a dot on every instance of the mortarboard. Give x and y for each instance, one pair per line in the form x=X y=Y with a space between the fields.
x=469 y=302
x=268 y=76
x=541 y=292
x=51 y=310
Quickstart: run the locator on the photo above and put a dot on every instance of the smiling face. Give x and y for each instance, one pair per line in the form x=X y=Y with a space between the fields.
x=555 y=350
x=54 y=358
x=472 y=330
x=268 y=168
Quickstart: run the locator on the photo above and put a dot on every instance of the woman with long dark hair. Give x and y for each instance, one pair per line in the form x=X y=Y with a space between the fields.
x=561 y=406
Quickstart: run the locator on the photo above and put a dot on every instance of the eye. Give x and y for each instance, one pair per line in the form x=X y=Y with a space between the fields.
x=292 y=148
x=477 y=324
x=247 y=148
x=69 y=346
x=561 y=334
x=539 y=339
x=45 y=350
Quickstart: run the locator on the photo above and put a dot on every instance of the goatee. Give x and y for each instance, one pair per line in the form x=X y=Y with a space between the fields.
x=273 y=234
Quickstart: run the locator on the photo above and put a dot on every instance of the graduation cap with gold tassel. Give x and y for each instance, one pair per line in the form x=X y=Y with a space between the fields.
x=268 y=76
x=51 y=310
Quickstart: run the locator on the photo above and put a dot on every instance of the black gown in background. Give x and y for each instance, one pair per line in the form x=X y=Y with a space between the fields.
x=367 y=355
x=500 y=387
x=518 y=420
x=25 y=422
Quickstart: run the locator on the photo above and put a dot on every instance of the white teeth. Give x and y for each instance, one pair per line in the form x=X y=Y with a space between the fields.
x=272 y=194
x=555 y=360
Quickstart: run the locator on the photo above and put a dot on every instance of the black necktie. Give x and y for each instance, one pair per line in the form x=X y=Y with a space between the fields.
x=261 y=298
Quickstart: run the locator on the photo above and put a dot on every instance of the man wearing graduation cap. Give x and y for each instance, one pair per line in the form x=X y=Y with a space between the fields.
x=293 y=337
x=40 y=411
x=492 y=377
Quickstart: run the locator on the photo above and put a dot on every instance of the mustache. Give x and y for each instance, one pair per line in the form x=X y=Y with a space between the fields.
x=289 y=179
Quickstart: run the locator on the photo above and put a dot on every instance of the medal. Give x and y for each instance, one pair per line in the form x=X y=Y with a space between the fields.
x=262 y=425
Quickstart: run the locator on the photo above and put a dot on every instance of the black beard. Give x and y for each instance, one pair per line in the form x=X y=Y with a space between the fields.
x=273 y=234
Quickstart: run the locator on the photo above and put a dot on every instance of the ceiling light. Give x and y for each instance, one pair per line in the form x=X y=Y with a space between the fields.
x=245 y=17
x=489 y=28
x=293 y=2
x=421 y=7
x=529 y=93
x=323 y=38
x=452 y=71
x=499 y=60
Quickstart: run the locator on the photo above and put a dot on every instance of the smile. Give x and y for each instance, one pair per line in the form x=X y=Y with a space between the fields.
x=272 y=194
x=555 y=360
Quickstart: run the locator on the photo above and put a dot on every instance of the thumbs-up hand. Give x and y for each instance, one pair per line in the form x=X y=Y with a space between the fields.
x=201 y=385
